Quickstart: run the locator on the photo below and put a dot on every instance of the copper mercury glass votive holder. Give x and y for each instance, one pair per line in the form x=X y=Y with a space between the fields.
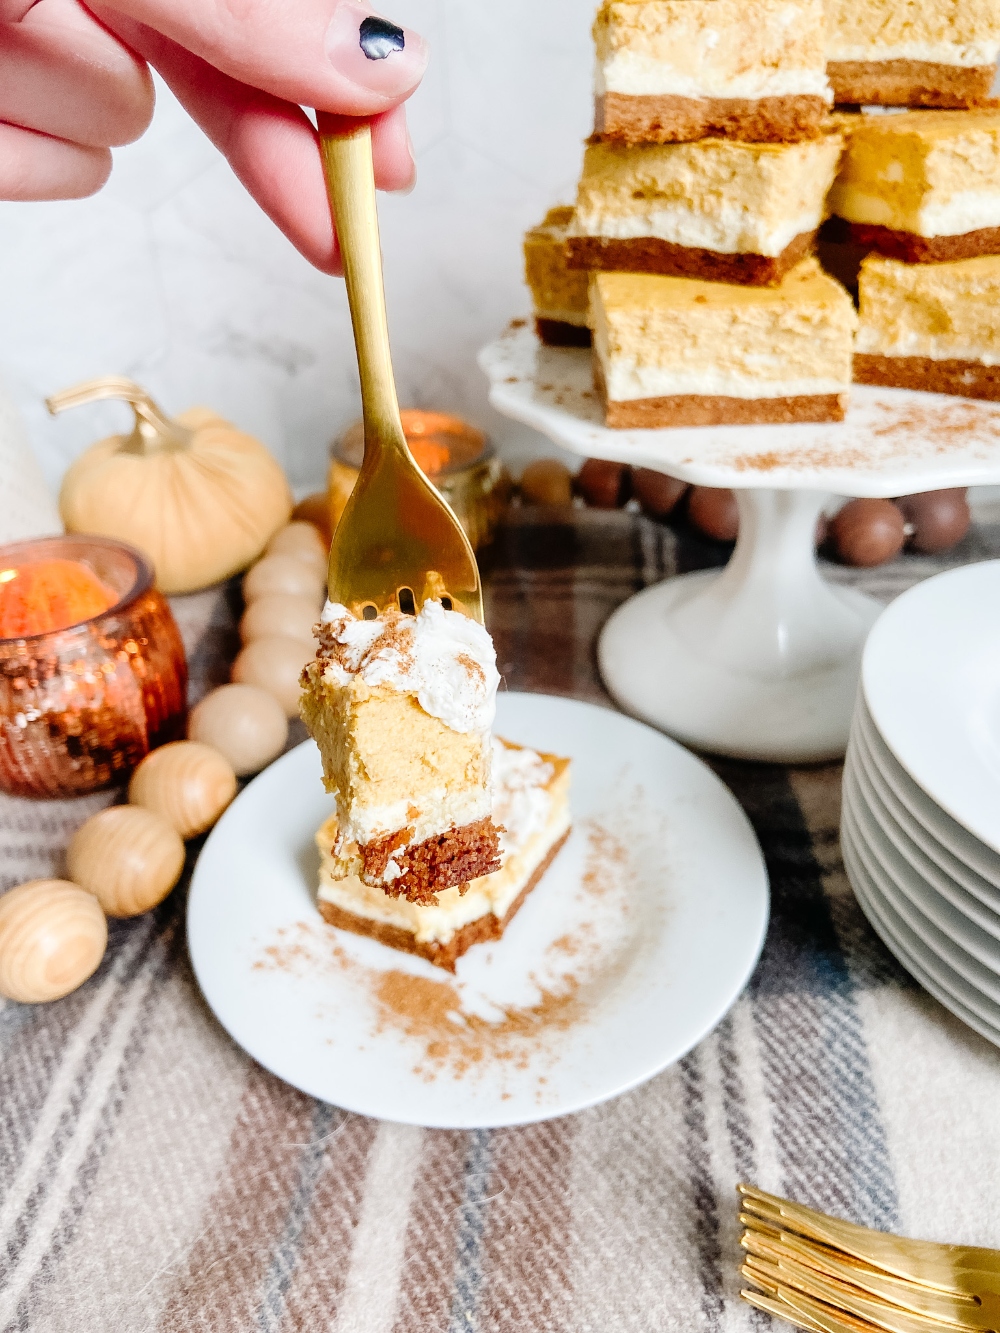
x=81 y=706
x=456 y=457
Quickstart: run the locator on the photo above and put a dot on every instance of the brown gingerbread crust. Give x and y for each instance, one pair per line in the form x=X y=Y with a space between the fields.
x=488 y=927
x=622 y=118
x=560 y=333
x=695 y=409
x=966 y=379
x=910 y=248
x=648 y=254
x=436 y=863
x=909 y=83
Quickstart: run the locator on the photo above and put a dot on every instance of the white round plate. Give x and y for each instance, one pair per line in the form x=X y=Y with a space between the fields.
x=893 y=441
x=940 y=826
x=932 y=974
x=633 y=946
x=982 y=984
x=899 y=828
x=938 y=906
x=932 y=685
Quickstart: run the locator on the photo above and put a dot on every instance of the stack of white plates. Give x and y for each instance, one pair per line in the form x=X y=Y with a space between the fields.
x=921 y=814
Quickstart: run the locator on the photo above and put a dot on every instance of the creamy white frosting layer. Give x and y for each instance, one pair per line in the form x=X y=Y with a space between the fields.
x=969 y=210
x=443 y=657
x=966 y=55
x=639 y=75
x=439 y=811
x=731 y=230
x=625 y=381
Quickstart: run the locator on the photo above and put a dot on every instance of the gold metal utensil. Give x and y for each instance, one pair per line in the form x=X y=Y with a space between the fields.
x=830 y=1276
x=397 y=543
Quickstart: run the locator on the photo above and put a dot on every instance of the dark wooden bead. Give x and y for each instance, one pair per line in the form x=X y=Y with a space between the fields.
x=939 y=518
x=603 y=485
x=714 y=512
x=868 y=532
x=656 y=492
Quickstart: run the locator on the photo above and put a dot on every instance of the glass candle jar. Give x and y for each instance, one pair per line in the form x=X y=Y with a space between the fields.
x=80 y=706
x=455 y=456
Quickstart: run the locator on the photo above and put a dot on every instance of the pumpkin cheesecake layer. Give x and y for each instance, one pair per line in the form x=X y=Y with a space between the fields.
x=558 y=293
x=922 y=186
x=401 y=708
x=674 y=70
x=935 y=53
x=531 y=802
x=719 y=208
x=930 y=326
x=682 y=352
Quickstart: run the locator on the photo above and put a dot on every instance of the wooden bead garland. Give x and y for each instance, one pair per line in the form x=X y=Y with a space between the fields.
x=127 y=857
x=52 y=938
x=242 y=722
x=186 y=783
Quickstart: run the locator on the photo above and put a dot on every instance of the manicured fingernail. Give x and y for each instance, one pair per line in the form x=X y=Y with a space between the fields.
x=380 y=38
x=372 y=52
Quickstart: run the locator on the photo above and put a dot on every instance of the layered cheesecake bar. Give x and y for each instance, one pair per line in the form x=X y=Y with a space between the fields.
x=401 y=708
x=935 y=53
x=558 y=293
x=930 y=326
x=681 y=352
x=671 y=70
x=531 y=802
x=718 y=209
x=921 y=186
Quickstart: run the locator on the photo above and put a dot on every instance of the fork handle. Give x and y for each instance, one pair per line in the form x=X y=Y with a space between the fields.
x=346 y=146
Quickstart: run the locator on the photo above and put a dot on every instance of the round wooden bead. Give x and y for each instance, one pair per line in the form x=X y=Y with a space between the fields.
x=656 y=492
x=714 y=512
x=127 y=857
x=302 y=542
x=940 y=519
x=868 y=532
x=546 y=481
x=52 y=938
x=186 y=783
x=244 y=723
x=285 y=575
x=603 y=485
x=275 y=664
x=290 y=617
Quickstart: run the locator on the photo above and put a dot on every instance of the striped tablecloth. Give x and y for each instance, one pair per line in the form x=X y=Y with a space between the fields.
x=152 y=1177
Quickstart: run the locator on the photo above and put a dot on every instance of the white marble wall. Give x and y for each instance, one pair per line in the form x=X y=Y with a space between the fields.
x=171 y=274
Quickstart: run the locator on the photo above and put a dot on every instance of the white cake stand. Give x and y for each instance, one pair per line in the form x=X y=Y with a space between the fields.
x=759 y=661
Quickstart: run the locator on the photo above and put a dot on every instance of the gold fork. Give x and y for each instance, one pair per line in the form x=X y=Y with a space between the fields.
x=398 y=543
x=822 y=1273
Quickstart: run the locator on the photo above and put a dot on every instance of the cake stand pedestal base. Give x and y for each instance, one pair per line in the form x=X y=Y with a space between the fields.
x=760 y=661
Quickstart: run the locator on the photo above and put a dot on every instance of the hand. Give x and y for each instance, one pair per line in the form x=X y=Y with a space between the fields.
x=74 y=83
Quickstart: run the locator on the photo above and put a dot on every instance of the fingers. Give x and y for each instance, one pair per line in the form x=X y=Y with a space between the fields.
x=335 y=55
x=36 y=166
x=64 y=74
x=270 y=144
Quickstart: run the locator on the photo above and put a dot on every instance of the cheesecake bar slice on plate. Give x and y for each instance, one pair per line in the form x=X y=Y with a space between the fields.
x=531 y=803
x=401 y=708
x=930 y=326
x=679 y=352
x=674 y=70
x=719 y=209
x=936 y=53
x=558 y=293
x=921 y=186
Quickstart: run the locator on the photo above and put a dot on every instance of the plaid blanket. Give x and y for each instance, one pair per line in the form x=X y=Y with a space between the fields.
x=152 y=1177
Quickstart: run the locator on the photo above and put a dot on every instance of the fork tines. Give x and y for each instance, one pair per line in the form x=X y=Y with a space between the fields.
x=826 y=1275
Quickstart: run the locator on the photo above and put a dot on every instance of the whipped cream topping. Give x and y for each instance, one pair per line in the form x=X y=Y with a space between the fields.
x=521 y=803
x=443 y=657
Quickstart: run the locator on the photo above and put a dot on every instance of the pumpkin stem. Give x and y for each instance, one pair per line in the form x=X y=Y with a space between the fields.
x=153 y=429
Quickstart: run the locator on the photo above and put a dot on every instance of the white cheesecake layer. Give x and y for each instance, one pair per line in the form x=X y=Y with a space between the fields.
x=968 y=210
x=637 y=74
x=963 y=55
x=728 y=229
x=627 y=381
x=876 y=342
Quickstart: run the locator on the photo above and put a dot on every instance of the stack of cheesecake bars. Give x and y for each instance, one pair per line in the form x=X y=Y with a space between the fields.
x=754 y=165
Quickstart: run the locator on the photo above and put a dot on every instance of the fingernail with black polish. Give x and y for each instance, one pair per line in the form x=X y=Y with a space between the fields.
x=380 y=38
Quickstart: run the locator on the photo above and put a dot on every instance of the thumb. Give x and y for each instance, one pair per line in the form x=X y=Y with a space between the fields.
x=334 y=55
